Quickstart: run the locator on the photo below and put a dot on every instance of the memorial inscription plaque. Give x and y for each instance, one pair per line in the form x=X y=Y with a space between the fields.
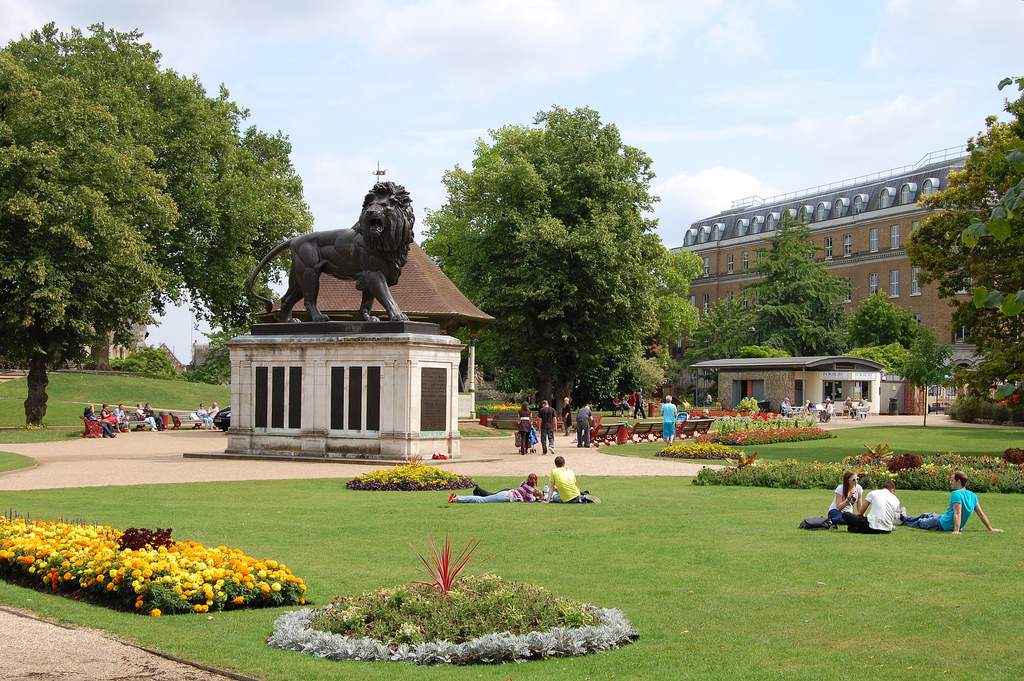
x=433 y=399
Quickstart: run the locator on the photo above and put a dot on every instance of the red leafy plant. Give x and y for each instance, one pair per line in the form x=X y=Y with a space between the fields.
x=136 y=538
x=1014 y=455
x=902 y=462
x=442 y=567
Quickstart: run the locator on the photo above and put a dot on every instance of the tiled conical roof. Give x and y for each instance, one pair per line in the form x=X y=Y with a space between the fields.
x=423 y=292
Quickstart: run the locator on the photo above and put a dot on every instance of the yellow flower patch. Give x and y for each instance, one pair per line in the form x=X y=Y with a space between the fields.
x=86 y=560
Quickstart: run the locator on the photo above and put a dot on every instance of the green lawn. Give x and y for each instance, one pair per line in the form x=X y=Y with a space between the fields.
x=852 y=440
x=69 y=392
x=719 y=582
x=470 y=430
x=12 y=462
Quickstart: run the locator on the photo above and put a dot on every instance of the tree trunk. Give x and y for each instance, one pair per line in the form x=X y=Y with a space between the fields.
x=545 y=390
x=924 y=400
x=100 y=352
x=35 y=403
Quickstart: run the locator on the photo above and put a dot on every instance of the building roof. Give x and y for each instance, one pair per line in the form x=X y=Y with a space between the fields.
x=820 y=363
x=754 y=215
x=423 y=292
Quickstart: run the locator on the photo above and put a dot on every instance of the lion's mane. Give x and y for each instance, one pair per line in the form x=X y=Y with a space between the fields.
x=393 y=242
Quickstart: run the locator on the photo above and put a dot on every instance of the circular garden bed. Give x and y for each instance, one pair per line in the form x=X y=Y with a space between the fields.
x=484 y=619
x=410 y=477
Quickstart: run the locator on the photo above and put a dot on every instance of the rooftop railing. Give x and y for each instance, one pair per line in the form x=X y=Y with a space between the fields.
x=948 y=154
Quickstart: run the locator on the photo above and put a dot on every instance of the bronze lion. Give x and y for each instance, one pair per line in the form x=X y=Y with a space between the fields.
x=372 y=253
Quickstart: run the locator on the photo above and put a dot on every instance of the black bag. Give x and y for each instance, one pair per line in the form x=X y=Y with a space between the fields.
x=818 y=523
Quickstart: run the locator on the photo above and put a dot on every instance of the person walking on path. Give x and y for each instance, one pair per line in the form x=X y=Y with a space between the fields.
x=638 y=404
x=583 y=419
x=566 y=414
x=963 y=503
x=523 y=427
x=668 y=419
x=547 y=427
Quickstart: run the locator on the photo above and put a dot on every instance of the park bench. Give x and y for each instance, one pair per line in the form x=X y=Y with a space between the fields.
x=92 y=428
x=702 y=426
x=604 y=434
x=686 y=429
x=645 y=431
x=185 y=419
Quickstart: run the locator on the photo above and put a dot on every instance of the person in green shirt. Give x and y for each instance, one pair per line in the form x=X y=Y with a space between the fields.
x=564 y=489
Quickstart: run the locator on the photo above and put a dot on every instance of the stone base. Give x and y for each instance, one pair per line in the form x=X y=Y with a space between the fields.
x=342 y=394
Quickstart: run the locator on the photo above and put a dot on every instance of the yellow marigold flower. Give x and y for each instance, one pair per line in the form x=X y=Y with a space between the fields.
x=155 y=612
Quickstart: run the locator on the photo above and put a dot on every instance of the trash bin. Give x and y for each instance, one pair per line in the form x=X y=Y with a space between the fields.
x=893 y=406
x=765 y=406
x=484 y=418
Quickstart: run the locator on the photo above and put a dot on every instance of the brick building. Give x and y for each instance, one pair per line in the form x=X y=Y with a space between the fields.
x=859 y=227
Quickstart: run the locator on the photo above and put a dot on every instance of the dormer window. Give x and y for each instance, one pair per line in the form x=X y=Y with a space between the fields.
x=908 y=192
x=822 y=210
x=885 y=197
x=756 y=224
x=930 y=186
x=860 y=203
x=742 y=227
x=839 y=207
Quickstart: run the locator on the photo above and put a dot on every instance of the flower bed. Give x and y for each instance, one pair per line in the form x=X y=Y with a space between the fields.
x=734 y=424
x=87 y=562
x=699 y=450
x=933 y=474
x=410 y=477
x=484 y=619
x=767 y=437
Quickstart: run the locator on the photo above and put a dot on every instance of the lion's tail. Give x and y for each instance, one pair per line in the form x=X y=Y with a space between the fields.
x=274 y=252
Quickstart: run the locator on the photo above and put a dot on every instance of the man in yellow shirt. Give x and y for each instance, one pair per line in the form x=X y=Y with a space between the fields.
x=563 y=486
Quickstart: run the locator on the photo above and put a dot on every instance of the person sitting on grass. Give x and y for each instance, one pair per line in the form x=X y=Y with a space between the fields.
x=564 y=489
x=845 y=498
x=668 y=420
x=963 y=503
x=527 y=491
x=883 y=512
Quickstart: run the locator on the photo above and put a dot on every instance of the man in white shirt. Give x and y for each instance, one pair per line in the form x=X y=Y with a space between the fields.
x=883 y=512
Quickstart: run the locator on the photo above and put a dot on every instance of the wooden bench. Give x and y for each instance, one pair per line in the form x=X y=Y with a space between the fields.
x=702 y=426
x=686 y=429
x=187 y=420
x=92 y=428
x=646 y=431
x=604 y=434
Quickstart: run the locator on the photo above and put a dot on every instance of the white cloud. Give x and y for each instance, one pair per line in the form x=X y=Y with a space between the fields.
x=912 y=34
x=686 y=198
x=737 y=35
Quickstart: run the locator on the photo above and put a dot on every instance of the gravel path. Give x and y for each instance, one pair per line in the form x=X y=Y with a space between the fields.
x=34 y=649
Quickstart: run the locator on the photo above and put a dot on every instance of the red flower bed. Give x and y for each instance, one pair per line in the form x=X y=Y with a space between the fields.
x=767 y=437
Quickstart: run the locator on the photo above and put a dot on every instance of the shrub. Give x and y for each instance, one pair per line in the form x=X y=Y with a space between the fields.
x=151 y=362
x=767 y=437
x=86 y=562
x=139 y=538
x=1000 y=414
x=748 y=405
x=1014 y=455
x=733 y=424
x=699 y=450
x=902 y=462
x=410 y=477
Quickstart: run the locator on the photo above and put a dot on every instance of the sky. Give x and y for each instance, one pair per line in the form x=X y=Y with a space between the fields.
x=730 y=99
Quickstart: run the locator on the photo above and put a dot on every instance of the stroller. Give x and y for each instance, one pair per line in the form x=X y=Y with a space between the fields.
x=533 y=439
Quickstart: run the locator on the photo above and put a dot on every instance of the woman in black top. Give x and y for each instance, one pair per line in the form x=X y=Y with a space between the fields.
x=524 y=428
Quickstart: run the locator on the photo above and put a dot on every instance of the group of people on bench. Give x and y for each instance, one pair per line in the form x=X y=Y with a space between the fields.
x=112 y=421
x=880 y=510
x=562 y=489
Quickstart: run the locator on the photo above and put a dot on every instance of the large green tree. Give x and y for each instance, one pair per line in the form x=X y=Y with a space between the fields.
x=723 y=331
x=976 y=240
x=217 y=195
x=799 y=302
x=547 y=232
x=878 y=322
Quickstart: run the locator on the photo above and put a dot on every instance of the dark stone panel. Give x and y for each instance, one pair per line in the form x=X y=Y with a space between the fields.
x=355 y=398
x=294 y=397
x=433 y=399
x=261 y=397
x=337 y=398
x=277 y=397
x=373 y=398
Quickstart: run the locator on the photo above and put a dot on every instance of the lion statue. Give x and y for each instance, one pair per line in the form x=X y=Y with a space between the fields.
x=372 y=253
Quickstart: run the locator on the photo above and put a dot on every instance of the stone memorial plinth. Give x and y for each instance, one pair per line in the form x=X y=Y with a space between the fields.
x=373 y=390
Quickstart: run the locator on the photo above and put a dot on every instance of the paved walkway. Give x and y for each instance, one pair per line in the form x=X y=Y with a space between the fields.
x=146 y=458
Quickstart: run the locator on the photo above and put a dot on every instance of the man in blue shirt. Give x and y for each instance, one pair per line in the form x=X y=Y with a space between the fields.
x=963 y=503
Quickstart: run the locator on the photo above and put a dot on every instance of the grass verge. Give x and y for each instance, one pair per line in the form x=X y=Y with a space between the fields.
x=13 y=462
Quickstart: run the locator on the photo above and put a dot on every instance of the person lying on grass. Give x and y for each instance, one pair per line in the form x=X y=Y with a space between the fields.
x=527 y=491
x=564 y=489
x=883 y=512
x=963 y=503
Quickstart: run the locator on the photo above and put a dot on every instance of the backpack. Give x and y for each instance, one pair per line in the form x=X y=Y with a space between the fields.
x=817 y=523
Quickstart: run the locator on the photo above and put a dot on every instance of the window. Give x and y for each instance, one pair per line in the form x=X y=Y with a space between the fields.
x=756 y=224
x=707 y=266
x=772 y=221
x=960 y=335
x=693 y=301
x=931 y=185
x=894 y=237
x=873 y=282
x=917 y=317
x=915 y=281
x=745 y=260
x=729 y=263
x=849 y=289
x=885 y=197
x=741 y=226
x=707 y=303
x=847 y=245
x=894 y=283
x=839 y=208
x=828 y=248
x=907 y=192
x=873 y=240
x=822 y=210
x=913 y=225
x=860 y=203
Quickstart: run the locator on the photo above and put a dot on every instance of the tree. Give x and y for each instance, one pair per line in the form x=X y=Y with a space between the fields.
x=216 y=365
x=211 y=198
x=148 y=361
x=879 y=322
x=725 y=329
x=799 y=302
x=892 y=356
x=927 y=364
x=547 y=233
x=976 y=240
x=759 y=351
